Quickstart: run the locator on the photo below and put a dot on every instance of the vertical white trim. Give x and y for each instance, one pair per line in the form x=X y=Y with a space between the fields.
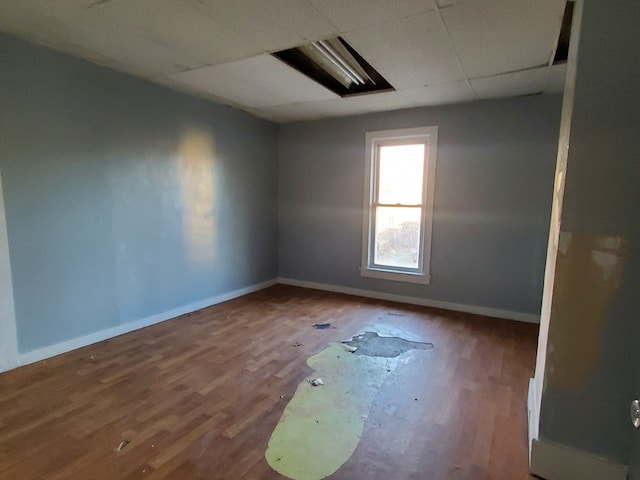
x=430 y=198
x=532 y=415
x=556 y=212
x=8 y=331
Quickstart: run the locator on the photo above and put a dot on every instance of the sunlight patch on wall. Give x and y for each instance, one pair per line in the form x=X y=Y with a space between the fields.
x=196 y=155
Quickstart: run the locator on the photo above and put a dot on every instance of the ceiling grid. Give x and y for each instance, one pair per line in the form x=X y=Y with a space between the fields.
x=432 y=52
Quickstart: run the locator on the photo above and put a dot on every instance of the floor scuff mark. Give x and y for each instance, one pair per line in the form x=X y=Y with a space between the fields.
x=122 y=445
x=322 y=326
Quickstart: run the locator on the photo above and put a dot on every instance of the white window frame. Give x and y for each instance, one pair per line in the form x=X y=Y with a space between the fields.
x=374 y=140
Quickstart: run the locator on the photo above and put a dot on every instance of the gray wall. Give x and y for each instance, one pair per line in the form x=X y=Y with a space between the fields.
x=494 y=182
x=125 y=199
x=592 y=370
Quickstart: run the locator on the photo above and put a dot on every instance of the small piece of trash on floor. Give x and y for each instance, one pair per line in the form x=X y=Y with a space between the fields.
x=316 y=382
x=321 y=326
x=122 y=445
x=93 y=357
x=281 y=396
x=297 y=344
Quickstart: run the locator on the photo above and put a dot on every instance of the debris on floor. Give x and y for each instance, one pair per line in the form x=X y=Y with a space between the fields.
x=373 y=345
x=316 y=382
x=297 y=344
x=321 y=326
x=122 y=445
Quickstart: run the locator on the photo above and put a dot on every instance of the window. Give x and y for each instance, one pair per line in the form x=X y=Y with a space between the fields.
x=399 y=188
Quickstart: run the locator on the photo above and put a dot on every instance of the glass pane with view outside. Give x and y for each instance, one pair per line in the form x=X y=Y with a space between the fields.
x=401 y=170
x=397 y=236
x=397 y=228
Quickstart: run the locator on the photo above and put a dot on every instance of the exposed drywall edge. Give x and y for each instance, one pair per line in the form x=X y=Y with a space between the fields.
x=425 y=302
x=532 y=414
x=8 y=331
x=58 y=348
x=556 y=462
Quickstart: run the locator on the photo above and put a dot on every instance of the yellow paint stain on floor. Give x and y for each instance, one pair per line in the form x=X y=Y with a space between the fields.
x=321 y=426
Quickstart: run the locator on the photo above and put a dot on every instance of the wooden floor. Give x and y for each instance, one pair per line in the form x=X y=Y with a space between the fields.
x=199 y=396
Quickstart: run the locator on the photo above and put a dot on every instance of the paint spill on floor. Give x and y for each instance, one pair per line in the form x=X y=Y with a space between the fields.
x=373 y=345
x=321 y=426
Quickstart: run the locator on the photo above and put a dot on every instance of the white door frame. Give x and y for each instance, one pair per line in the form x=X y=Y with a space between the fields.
x=8 y=330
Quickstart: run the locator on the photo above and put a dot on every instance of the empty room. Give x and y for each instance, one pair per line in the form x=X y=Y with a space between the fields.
x=308 y=239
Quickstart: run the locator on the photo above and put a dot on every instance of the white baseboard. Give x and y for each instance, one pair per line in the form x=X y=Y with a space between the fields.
x=557 y=462
x=79 y=342
x=532 y=414
x=425 y=302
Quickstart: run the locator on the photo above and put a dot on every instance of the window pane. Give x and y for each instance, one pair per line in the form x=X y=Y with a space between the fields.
x=401 y=173
x=397 y=236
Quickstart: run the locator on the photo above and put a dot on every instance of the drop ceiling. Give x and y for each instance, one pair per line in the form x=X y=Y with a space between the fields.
x=433 y=52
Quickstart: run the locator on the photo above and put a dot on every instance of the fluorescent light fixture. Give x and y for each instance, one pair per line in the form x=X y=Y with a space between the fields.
x=325 y=49
x=328 y=64
x=336 y=65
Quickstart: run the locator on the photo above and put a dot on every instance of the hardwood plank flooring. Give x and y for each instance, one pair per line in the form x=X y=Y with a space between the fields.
x=198 y=396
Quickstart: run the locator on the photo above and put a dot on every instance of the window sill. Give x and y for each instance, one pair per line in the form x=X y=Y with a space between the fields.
x=408 y=277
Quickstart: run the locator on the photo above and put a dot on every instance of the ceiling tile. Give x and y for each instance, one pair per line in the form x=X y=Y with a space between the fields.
x=219 y=31
x=179 y=26
x=254 y=82
x=257 y=26
x=156 y=37
x=513 y=84
x=409 y=53
x=437 y=95
x=68 y=27
x=499 y=36
x=308 y=110
x=454 y=92
x=349 y=15
x=557 y=75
